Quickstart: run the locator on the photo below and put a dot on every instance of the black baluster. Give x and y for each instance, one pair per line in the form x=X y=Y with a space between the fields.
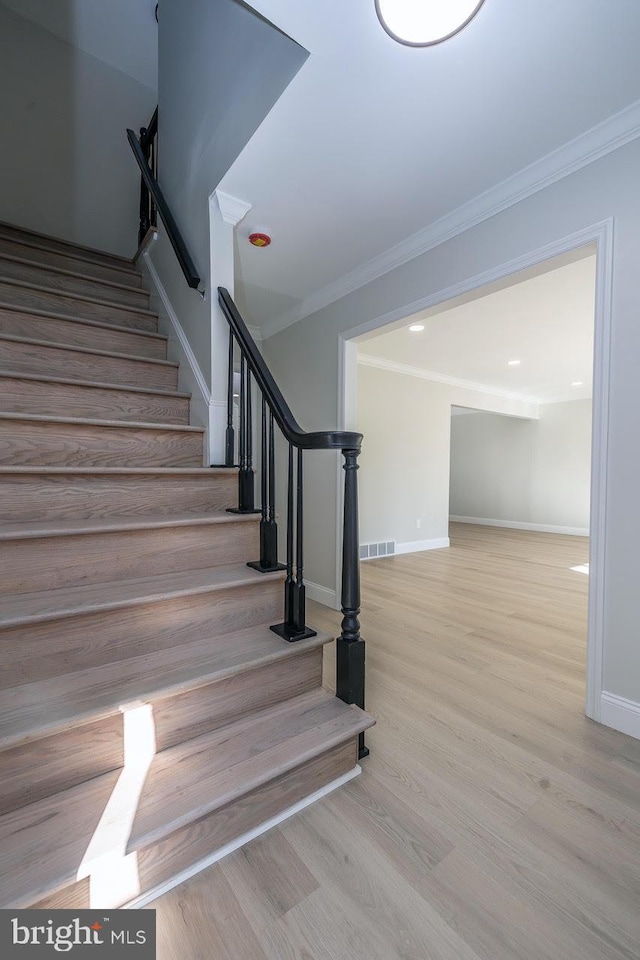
x=245 y=472
x=145 y=222
x=350 y=648
x=230 y=439
x=268 y=561
x=294 y=627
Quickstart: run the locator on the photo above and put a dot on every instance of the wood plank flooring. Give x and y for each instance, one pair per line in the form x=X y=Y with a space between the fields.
x=492 y=820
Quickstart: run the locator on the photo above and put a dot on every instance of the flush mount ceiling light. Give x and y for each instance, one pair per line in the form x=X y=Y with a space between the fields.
x=514 y=363
x=421 y=23
x=416 y=327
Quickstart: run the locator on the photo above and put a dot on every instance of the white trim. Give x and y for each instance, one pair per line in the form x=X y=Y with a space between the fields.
x=232 y=209
x=177 y=326
x=604 y=138
x=524 y=525
x=602 y=234
x=620 y=713
x=417 y=546
x=408 y=370
x=240 y=841
x=315 y=591
x=599 y=468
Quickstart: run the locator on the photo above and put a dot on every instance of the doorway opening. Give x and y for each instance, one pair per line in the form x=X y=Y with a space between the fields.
x=484 y=406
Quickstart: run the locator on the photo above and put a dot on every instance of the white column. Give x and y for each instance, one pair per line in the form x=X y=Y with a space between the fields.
x=225 y=212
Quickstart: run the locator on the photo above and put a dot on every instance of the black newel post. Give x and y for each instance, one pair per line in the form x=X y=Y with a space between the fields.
x=350 y=646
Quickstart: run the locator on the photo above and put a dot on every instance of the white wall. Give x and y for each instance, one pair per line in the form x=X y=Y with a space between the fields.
x=530 y=472
x=304 y=359
x=404 y=475
x=65 y=165
x=221 y=67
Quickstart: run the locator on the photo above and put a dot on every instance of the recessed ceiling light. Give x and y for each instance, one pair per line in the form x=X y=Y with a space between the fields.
x=416 y=327
x=513 y=363
x=419 y=24
x=577 y=383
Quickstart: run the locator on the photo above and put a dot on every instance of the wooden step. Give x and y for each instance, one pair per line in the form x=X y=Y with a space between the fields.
x=60 y=396
x=99 y=550
x=28 y=295
x=88 y=829
x=31 y=440
x=57 y=493
x=61 y=731
x=87 y=268
x=45 y=242
x=22 y=322
x=58 y=278
x=26 y=355
x=58 y=631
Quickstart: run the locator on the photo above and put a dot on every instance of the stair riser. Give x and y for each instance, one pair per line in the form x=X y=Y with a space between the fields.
x=24 y=497
x=34 y=443
x=17 y=234
x=160 y=862
x=33 y=564
x=80 y=334
x=34 y=651
x=49 y=765
x=58 y=362
x=71 y=400
x=129 y=278
x=45 y=277
x=72 y=306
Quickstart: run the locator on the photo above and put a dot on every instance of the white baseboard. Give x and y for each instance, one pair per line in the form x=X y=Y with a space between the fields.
x=620 y=713
x=522 y=525
x=417 y=546
x=320 y=594
x=241 y=841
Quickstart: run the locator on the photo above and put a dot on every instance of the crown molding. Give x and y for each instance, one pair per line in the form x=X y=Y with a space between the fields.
x=232 y=209
x=609 y=135
x=366 y=360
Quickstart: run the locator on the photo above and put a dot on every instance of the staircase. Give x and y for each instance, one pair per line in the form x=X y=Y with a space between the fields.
x=148 y=716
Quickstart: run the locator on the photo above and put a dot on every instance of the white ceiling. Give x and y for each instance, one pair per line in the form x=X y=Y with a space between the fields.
x=374 y=141
x=545 y=321
x=122 y=33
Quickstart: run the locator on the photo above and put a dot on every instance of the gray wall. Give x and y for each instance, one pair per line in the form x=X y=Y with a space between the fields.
x=304 y=358
x=221 y=68
x=65 y=165
x=535 y=471
x=404 y=475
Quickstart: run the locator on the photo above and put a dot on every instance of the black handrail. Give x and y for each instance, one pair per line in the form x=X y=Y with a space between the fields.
x=350 y=649
x=293 y=432
x=173 y=231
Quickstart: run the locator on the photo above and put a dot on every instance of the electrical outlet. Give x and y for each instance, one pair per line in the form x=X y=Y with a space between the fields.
x=418 y=522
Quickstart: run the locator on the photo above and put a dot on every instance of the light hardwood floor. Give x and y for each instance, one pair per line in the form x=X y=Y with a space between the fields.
x=492 y=820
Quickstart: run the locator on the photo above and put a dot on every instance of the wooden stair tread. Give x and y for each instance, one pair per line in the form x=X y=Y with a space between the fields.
x=114 y=471
x=85 y=321
x=45 y=241
x=83 y=421
x=65 y=528
x=38 y=265
x=46 y=378
x=68 y=294
x=88 y=350
x=44 y=707
x=57 y=840
x=28 y=608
